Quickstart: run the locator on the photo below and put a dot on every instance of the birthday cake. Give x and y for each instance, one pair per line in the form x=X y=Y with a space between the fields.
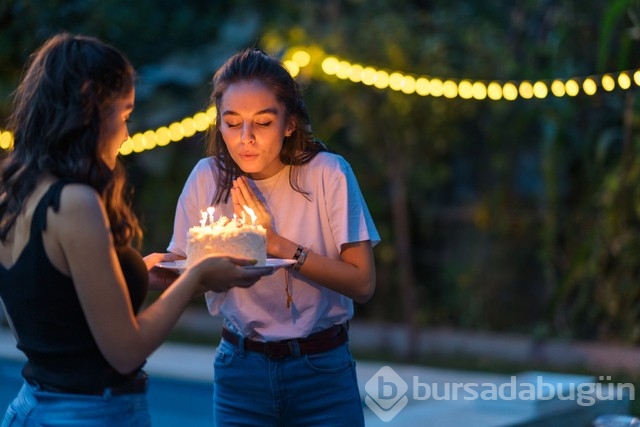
x=227 y=236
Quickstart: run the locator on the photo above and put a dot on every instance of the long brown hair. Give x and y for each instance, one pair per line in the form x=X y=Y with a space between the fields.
x=57 y=110
x=298 y=148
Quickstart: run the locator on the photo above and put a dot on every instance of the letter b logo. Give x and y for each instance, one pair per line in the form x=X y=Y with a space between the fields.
x=386 y=393
x=386 y=386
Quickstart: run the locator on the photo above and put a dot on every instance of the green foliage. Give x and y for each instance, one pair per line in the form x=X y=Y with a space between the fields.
x=506 y=201
x=517 y=216
x=598 y=297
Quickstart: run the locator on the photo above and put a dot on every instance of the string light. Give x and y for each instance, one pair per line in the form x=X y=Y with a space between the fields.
x=6 y=140
x=164 y=135
x=467 y=89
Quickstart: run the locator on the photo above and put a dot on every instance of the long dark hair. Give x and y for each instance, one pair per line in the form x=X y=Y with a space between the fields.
x=298 y=148
x=57 y=111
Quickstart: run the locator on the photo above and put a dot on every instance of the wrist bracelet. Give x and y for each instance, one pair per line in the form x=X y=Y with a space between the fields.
x=301 y=259
x=298 y=252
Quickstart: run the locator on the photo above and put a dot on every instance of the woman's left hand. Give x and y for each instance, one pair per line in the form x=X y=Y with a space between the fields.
x=243 y=195
x=160 y=278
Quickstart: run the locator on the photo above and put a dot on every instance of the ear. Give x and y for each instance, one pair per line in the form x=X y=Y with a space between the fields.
x=291 y=126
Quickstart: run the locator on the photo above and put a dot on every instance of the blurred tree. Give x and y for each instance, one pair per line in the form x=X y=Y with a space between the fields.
x=514 y=216
x=479 y=203
x=599 y=268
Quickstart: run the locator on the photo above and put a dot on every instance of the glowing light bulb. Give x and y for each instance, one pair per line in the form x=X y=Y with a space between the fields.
x=494 y=91
x=465 y=89
x=540 y=90
x=557 y=88
x=509 y=91
x=572 y=87
x=479 y=90
x=608 y=83
x=624 y=81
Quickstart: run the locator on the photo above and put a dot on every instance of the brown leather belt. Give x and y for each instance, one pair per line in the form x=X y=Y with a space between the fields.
x=138 y=384
x=319 y=342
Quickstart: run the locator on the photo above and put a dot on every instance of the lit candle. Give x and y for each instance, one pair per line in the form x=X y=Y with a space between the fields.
x=251 y=214
x=210 y=211
x=203 y=221
x=237 y=220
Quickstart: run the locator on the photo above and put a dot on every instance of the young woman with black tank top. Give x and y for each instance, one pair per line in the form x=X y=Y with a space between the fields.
x=71 y=283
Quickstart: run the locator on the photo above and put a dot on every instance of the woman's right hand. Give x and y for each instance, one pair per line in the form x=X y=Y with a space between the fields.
x=219 y=273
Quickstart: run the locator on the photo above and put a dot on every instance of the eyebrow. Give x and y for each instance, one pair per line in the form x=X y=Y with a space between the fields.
x=270 y=110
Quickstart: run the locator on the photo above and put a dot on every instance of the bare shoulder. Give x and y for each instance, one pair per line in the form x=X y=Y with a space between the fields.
x=80 y=204
x=79 y=195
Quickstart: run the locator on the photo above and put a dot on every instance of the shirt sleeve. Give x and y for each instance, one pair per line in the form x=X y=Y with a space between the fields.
x=196 y=196
x=350 y=218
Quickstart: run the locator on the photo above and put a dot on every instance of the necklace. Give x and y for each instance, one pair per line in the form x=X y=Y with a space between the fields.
x=275 y=184
x=287 y=273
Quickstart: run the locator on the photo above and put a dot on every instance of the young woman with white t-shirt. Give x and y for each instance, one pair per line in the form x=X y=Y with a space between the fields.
x=284 y=357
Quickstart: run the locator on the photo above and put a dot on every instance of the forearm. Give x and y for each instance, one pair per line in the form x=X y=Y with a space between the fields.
x=153 y=325
x=353 y=275
x=340 y=276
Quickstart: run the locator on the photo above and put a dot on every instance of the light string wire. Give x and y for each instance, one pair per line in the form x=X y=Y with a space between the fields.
x=300 y=59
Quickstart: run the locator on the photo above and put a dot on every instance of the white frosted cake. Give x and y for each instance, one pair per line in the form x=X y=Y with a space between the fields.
x=230 y=237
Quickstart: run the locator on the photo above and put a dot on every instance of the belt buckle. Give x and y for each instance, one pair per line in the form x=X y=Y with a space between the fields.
x=275 y=350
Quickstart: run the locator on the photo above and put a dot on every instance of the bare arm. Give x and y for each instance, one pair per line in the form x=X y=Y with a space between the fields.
x=160 y=278
x=352 y=275
x=82 y=233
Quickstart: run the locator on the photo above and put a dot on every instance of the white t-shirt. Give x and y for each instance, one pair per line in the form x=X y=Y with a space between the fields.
x=335 y=214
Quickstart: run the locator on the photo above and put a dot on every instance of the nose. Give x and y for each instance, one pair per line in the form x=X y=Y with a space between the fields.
x=247 y=133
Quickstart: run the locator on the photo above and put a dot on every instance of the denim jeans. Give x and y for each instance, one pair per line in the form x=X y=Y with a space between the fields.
x=251 y=389
x=34 y=407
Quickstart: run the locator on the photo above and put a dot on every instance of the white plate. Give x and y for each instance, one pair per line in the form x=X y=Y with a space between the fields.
x=179 y=266
x=275 y=263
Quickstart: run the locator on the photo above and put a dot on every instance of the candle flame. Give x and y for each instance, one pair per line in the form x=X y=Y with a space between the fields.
x=210 y=211
x=239 y=221
x=251 y=214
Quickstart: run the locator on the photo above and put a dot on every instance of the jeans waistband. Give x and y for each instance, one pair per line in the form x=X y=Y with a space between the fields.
x=138 y=384
x=319 y=342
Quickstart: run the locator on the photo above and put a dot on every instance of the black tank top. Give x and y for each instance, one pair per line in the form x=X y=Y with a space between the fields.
x=45 y=311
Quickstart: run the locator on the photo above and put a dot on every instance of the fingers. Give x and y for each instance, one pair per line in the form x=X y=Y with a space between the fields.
x=154 y=258
x=170 y=256
x=242 y=195
x=261 y=271
x=219 y=273
x=242 y=261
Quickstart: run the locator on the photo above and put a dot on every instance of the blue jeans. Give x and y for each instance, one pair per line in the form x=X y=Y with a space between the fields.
x=34 y=407
x=251 y=389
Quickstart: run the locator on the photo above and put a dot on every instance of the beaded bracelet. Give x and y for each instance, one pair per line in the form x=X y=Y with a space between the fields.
x=301 y=259
x=298 y=252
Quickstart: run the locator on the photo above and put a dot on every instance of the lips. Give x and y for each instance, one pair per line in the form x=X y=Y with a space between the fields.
x=249 y=156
